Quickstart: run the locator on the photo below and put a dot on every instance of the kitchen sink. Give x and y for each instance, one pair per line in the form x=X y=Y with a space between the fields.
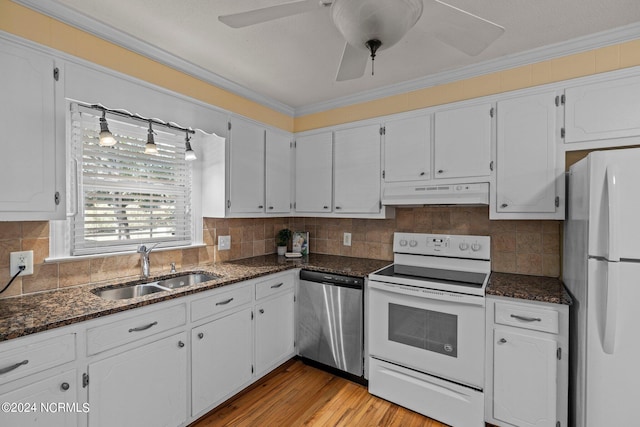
x=185 y=280
x=138 y=290
x=126 y=292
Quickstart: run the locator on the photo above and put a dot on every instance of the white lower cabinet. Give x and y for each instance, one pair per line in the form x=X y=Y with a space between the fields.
x=527 y=363
x=221 y=360
x=274 y=331
x=146 y=386
x=50 y=402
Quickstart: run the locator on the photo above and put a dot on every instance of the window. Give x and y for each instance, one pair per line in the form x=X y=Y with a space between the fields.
x=123 y=196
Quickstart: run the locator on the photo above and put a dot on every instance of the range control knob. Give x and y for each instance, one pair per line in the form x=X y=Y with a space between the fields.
x=413 y=243
x=475 y=247
x=403 y=242
x=463 y=246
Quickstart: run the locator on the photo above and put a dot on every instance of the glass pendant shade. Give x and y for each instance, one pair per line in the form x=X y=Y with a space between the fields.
x=387 y=21
x=106 y=137
x=189 y=154
x=150 y=147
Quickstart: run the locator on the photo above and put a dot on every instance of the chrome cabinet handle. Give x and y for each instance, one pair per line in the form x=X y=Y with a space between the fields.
x=261 y=311
x=338 y=207
x=504 y=205
x=441 y=171
x=225 y=302
x=64 y=386
x=143 y=328
x=526 y=319
x=421 y=173
x=180 y=344
x=200 y=335
x=325 y=207
x=502 y=341
x=270 y=207
x=277 y=285
x=12 y=367
x=260 y=206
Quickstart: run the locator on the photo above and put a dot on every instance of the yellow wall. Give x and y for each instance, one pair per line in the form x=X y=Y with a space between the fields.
x=41 y=29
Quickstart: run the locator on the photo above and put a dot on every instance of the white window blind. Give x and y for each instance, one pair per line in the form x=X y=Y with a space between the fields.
x=125 y=197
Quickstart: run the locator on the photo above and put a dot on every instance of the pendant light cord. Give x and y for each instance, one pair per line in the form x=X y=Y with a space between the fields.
x=20 y=270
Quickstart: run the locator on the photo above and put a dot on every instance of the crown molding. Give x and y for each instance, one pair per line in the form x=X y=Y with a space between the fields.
x=92 y=26
x=593 y=41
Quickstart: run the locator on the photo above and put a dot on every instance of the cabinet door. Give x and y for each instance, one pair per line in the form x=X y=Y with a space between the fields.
x=29 y=143
x=274 y=332
x=357 y=170
x=278 y=172
x=246 y=182
x=603 y=110
x=314 y=160
x=45 y=395
x=146 y=386
x=526 y=154
x=524 y=379
x=407 y=149
x=463 y=142
x=221 y=359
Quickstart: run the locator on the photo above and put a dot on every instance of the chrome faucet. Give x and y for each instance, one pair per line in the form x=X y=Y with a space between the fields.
x=144 y=259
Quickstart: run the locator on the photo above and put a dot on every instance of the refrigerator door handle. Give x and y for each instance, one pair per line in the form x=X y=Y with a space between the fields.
x=613 y=206
x=611 y=308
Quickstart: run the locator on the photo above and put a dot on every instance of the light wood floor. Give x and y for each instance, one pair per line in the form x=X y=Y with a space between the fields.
x=300 y=395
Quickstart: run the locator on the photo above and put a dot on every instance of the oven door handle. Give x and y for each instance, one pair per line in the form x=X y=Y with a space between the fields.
x=427 y=293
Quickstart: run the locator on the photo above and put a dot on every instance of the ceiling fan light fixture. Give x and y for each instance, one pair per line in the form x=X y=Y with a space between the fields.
x=386 y=21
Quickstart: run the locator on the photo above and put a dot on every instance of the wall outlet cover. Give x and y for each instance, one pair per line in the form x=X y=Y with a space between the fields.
x=16 y=259
x=224 y=243
x=346 y=241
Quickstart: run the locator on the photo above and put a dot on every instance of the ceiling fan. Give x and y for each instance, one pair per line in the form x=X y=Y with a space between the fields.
x=369 y=26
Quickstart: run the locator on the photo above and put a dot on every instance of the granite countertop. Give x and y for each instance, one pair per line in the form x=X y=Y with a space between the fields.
x=29 y=314
x=532 y=288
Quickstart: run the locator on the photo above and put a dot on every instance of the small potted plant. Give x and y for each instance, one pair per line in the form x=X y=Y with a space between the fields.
x=282 y=240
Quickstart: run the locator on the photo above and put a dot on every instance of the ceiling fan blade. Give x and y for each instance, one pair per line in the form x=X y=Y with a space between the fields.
x=257 y=16
x=460 y=29
x=353 y=63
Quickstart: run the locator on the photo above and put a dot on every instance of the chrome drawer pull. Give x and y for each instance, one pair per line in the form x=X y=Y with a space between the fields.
x=11 y=368
x=224 y=302
x=526 y=319
x=143 y=328
x=277 y=286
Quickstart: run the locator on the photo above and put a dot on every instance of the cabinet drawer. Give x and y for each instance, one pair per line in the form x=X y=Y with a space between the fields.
x=274 y=286
x=20 y=361
x=220 y=302
x=124 y=331
x=536 y=318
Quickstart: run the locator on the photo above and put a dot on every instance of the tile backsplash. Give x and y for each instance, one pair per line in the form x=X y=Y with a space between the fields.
x=526 y=247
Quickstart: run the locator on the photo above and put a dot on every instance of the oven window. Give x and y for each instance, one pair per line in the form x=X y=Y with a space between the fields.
x=424 y=329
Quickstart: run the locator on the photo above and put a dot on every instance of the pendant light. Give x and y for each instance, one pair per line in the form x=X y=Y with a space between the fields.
x=106 y=137
x=150 y=147
x=189 y=154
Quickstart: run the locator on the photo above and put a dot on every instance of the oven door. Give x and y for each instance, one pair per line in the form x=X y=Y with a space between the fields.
x=435 y=332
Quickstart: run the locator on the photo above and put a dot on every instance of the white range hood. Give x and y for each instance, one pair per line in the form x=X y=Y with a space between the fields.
x=444 y=194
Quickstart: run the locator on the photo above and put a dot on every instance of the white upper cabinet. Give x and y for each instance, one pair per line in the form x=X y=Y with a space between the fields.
x=357 y=170
x=32 y=162
x=463 y=142
x=528 y=176
x=314 y=156
x=278 y=172
x=407 y=149
x=246 y=181
x=603 y=110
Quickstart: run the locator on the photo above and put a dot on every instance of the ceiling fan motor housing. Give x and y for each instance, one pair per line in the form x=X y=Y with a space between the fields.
x=361 y=21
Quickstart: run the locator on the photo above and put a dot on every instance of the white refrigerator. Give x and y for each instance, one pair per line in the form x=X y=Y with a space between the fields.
x=601 y=269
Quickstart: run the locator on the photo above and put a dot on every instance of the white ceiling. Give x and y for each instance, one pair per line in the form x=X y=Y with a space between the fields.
x=293 y=61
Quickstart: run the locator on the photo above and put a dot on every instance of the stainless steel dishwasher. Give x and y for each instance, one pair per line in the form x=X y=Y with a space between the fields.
x=330 y=320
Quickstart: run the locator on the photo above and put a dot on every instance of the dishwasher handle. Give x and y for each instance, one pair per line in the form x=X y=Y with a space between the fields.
x=332 y=279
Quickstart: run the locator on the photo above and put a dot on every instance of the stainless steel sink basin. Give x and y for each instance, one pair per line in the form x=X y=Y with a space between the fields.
x=138 y=290
x=126 y=292
x=185 y=280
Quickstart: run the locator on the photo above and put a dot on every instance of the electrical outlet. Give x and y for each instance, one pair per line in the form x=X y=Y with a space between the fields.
x=224 y=243
x=346 y=240
x=17 y=259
